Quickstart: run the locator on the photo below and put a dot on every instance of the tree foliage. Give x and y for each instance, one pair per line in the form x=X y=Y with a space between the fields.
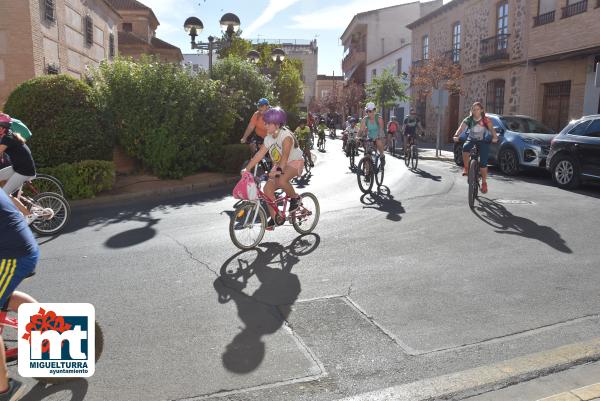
x=436 y=73
x=386 y=90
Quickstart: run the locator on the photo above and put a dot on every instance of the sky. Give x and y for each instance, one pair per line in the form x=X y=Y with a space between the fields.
x=324 y=20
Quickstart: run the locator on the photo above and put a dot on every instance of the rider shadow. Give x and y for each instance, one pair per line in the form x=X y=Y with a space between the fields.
x=77 y=388
x=497 y=216
x=303 y=180
x=425 y=174
x=268 y=307
x=383 y=201
x=135 y=236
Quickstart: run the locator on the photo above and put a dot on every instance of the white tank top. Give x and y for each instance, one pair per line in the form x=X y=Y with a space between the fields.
x=275 y=146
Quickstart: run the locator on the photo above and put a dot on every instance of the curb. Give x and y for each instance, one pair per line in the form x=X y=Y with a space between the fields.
x=587 y=393
x=471 y=382
x=158 y=193
x=442 y=158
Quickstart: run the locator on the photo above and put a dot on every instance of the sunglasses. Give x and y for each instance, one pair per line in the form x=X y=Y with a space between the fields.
x=370 y=111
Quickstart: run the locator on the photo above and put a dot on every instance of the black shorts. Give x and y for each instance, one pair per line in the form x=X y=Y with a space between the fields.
x=255 y=139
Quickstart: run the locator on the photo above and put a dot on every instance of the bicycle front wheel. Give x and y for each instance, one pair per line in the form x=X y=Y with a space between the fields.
x=247 y=225
x=407 y=155
x=43 y=183
x=305 y=219
x=61 y=213
x=352 y=153
x=473 y=182
x=414 y=158
x=379 y=175
x=364 y=175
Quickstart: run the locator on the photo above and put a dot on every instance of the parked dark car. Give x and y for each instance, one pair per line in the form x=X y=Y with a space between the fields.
x=575 y=153
x=523 y=142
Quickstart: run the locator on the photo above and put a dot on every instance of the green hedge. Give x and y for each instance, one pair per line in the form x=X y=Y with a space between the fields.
x=164 y=117
x=230 y=158
x=84 y=179
x=62 y=114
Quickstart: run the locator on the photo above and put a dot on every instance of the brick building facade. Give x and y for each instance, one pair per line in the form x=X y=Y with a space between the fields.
x=518 y=57
x=58 y=36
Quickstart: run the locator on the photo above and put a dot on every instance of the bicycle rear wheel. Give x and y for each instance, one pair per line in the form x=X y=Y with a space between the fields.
x=99 y=347
x=43 y=183
x=473 y=182
x=247 y=225
x=61 y=209
x=352 y=155
x=306 y=217
x=414 y=156
x=407 y=155
x=364 y=175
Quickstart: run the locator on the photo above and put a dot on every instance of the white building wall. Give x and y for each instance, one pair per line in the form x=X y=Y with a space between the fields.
x=390 y=62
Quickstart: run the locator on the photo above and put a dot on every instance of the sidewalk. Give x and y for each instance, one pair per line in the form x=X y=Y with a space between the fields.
x=427 y=152
x=136 y=187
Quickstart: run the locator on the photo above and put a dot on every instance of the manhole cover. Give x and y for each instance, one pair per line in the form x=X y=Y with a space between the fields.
x=514 y=202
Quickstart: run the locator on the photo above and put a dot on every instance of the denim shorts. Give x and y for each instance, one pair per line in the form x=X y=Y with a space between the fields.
x=484 y=150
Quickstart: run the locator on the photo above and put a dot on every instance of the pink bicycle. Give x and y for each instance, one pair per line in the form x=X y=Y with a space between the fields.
x=249 y=221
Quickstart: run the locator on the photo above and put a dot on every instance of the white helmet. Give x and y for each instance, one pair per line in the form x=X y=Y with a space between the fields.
x=370 y=106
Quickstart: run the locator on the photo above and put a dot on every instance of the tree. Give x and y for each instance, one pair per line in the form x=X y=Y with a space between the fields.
x=437 y=73
x=288 y=85
x=386 y=90
x=353 y=98
x=237 y=47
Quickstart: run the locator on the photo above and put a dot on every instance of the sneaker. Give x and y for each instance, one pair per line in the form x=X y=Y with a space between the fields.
x=484 y=188
x=14 y=392
x=270 y=224
x=294 y=204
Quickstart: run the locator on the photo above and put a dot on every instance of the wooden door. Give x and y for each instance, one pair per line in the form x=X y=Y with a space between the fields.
x=453 y=105
x=556 y=104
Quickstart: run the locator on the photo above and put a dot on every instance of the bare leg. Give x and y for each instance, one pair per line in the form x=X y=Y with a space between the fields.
x=284 y=181
x=17 y=298
x=269 y=190
x=3 y=368
x=466 y=161
x=20 y=206
x=483 y=171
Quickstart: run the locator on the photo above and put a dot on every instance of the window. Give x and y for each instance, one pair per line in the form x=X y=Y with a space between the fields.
x=594 y=129
x=127 y=27
x=502 y=25
x=89 y=30
x=526 y=125
x=111 y=45
x=456 y=43
x=580 y=129
x=324 y=93
x=495 y=96
x=546 y=6
x=49 y=10
x=399 y=67
x=374 y=73
x=425 y=47
x=382 y=46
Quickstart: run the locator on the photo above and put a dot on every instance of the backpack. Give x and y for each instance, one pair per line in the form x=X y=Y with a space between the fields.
x=246 y=188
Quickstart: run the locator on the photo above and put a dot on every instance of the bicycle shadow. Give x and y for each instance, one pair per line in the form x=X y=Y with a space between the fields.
x=134 y=236
x=425 y=174
x=265 y=310
x=303 y=181
x=383 y=201
x=77 y=388
x=497 y=216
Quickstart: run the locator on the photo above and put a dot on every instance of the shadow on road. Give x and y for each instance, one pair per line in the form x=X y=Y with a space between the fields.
x=135 y=236
x=268 y=307
x=77 y=388
x=303 y=181
x=497 y=216
x=425 y=174
x=383 y=201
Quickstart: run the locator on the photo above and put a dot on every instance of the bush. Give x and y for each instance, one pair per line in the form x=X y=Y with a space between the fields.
x=84 y=179
x=167 y=119
x=64 y=119
x=233 y=157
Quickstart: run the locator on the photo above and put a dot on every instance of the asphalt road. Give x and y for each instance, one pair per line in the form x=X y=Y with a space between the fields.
x=389 y=289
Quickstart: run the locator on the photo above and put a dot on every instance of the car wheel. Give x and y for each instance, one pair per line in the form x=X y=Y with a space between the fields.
x=458 y=154
x=508 y=161
x=565 y=172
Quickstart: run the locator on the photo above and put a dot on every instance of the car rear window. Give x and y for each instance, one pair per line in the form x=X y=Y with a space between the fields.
x=526 y=125
x=594 y=129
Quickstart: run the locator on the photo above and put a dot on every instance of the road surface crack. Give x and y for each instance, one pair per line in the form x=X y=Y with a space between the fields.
x=191 y=255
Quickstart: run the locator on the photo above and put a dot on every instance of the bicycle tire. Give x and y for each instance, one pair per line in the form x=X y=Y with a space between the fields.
x=472 y=181
x=307 y=166
x=393 y=151
x=99 y=347
x=365 y=186
x=379 y=174
x=297 y=222
x=352 y=150
x=44 y=183
x=414 y=156
x=61 y=209
x=407 y=155
x=241 y=211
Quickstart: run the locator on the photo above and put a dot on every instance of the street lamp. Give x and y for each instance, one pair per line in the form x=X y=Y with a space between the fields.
x=278 y=55
x=253 y=56
x=230 y=25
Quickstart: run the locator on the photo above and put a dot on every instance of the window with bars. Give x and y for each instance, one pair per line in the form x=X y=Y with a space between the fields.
x=89 y=30
x=425 y=47
x=374 y=72
x=502 y=25
x=495 y=96
x=127 y=27
x=456 y=43
x=111 y=45
x=399 y=67
x=49 y=10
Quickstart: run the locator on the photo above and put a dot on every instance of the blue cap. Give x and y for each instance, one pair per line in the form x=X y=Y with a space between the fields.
x=262 y=102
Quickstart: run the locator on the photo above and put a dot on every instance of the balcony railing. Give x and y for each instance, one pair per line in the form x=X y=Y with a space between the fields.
x=574 y=9
x=545 y=18
x=494 y=48
x=452 y=55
